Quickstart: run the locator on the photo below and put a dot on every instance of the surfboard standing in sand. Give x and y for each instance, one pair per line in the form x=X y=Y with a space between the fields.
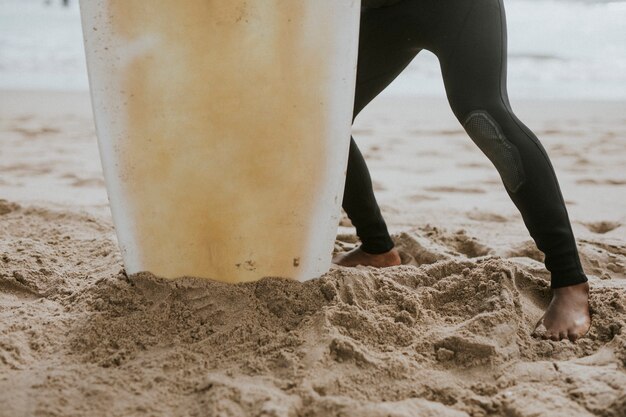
x=220 y=129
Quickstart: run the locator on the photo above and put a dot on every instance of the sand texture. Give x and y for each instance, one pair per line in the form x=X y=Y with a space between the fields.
x=445 y=334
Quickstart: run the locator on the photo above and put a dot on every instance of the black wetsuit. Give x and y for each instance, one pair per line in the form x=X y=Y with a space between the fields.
x=469 y=38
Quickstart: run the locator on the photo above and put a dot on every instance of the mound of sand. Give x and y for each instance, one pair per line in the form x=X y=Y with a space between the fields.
x=446 y=334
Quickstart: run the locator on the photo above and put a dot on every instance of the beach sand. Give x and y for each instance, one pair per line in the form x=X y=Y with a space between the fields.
x=445 y=334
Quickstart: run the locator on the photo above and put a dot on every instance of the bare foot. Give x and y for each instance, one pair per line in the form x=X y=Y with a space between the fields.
x=357 y=257
x=567 y=315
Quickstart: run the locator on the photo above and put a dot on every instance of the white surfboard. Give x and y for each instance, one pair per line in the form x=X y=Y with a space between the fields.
x=223 y=128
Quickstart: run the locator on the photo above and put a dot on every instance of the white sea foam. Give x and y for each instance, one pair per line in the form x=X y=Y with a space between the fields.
x=557 y=49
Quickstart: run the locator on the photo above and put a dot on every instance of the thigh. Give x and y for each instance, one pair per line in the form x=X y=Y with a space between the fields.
x=472 y=52
x=388 y=41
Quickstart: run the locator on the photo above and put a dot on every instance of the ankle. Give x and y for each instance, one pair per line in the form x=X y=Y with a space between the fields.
x=376 y=252
x=582 y=287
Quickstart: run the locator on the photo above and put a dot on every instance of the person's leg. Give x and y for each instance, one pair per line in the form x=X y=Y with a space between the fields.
x=386 y=47
x=377 y=248
x=473 y=62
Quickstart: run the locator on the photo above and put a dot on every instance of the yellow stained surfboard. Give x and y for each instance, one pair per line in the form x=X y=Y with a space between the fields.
x=223 y=128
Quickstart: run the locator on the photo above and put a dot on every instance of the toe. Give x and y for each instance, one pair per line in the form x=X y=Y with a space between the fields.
x=563 y=335
x=575 y=333
x=553 y=336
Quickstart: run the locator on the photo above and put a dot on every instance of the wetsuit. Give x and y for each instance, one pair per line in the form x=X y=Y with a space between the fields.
x=469 y=38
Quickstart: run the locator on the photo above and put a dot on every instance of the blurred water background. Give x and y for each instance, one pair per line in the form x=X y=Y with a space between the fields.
x=558 y=49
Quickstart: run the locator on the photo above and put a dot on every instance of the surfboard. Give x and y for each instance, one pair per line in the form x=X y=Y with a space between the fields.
x=223 y=129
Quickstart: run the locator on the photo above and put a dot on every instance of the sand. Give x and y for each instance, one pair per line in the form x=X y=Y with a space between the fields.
x=445 y=334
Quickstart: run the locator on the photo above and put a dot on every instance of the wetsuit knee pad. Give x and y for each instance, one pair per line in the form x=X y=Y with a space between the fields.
x=487 y=134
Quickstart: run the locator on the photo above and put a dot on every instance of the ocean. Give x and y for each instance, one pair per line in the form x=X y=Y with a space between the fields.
x=558 y=49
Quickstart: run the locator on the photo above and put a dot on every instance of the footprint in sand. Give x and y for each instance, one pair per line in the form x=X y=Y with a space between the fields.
x=467 y=245
x=459 y=242
x=35 y=132
x=606 y=181
x=483 y=216
x=616 y=248
x=492 y=181
x=416 y=250
x=88 y=182
x=76 y=181
x=418 y=198
x=526 y=249
x=27 y=170
x=450 y=189
x=602 y=259
x=602 y=227
x=431 y=244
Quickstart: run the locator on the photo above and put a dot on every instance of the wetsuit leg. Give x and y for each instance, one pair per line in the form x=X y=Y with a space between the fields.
x=385 y=49
x=471 y=46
